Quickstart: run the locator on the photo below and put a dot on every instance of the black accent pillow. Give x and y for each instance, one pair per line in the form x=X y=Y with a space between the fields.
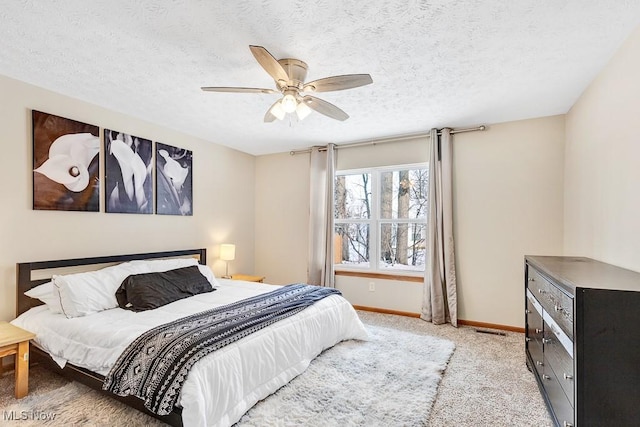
x=146 y=291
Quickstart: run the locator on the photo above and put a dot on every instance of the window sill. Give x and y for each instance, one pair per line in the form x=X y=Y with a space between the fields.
x=383 y=276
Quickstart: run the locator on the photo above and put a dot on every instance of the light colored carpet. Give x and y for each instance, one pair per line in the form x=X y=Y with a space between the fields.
x=486 y=383
x=73 y=404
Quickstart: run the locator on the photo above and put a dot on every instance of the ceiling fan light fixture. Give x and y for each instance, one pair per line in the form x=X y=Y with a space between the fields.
x=302 y=110
x=289 y=75
x=278 y=111
x=289 y=103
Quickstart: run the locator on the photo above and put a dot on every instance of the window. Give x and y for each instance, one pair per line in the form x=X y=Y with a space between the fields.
x=381 y=219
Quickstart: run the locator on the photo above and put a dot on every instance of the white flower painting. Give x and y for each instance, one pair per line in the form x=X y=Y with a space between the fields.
x=129 y=187
x=65 y=164
x=174 y=176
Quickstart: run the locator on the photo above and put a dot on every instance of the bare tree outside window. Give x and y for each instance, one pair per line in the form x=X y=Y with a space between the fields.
x=387 y=253
x=352 y=212
x=380 y=215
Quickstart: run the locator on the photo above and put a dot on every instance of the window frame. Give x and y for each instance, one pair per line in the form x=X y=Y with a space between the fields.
x=375 y=222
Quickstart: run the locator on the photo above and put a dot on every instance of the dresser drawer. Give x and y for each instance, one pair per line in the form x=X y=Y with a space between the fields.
x=558 y=359
x=535 y=331
x=562 y=408
x=558 y=304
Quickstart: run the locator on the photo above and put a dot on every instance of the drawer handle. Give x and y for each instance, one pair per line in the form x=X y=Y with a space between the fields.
x=541 y=291
x=531 y=279
x=538 y=331
x=546 y=341
x=567 y=424
x=546 y=377
x=568 y=376
x=527 y=339
x=527 y=312
x=539 y=363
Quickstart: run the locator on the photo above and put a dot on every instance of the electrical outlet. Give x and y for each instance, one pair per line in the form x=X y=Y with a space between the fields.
x=372 y=287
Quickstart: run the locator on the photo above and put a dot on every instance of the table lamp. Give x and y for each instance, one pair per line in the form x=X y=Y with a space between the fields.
x=227 y=253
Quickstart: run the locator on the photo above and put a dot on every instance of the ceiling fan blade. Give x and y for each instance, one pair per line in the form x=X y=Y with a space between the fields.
x=238 y=89
x=324 y=107
x=347 y=81
x=269 y=63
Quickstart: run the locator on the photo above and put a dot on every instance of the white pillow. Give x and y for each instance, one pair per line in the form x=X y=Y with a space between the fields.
x=208 y=273
x=40 y=290
x=87 y=293
x=46 y=294
x=82 y=294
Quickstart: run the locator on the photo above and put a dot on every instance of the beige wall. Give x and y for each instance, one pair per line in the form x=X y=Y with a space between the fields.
x=508 y=201
x=405 y=151
x=223 y=188
x=282 y=218
x=508 y=196
x=602 y=167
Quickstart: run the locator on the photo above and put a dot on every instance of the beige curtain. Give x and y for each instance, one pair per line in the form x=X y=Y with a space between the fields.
x=322 y=169
x=439 y=303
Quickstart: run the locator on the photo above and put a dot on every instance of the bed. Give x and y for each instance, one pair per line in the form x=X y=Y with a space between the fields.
x=222 y=385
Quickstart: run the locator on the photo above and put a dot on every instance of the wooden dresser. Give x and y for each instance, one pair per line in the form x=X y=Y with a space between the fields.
x=582 y=342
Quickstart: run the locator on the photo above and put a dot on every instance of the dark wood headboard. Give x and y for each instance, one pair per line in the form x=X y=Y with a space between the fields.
x=24 y=270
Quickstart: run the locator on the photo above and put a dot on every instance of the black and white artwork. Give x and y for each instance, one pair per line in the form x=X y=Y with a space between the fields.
x=174 y=180
x=128 y=170
x=66 y=164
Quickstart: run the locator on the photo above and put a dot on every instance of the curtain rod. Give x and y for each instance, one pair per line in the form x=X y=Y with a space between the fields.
x=390 y=139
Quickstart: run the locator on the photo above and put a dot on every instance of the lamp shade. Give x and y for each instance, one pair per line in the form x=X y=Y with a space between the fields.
x=227 y=252
x=289 y=103
x=278 y=111
x=302 y=110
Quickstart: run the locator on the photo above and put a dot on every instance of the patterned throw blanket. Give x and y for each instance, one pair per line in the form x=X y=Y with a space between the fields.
x=155 y=365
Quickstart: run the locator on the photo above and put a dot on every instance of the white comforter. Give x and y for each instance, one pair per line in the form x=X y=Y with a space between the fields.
x=222 y=386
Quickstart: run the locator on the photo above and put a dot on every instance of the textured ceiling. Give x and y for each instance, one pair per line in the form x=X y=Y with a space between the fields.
x=433 y=63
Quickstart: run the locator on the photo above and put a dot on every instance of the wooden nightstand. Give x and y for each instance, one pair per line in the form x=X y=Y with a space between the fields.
x=248 y=278
x=14 y=340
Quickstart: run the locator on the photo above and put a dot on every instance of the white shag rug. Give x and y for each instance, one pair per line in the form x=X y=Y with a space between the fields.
x=391 y=379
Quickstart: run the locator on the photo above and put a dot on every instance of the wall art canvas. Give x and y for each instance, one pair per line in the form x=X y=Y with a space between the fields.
x=174 y=180
x=65 y=164
x=128 y=173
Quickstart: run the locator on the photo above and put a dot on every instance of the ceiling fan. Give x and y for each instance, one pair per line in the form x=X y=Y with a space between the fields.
x=289 y=75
